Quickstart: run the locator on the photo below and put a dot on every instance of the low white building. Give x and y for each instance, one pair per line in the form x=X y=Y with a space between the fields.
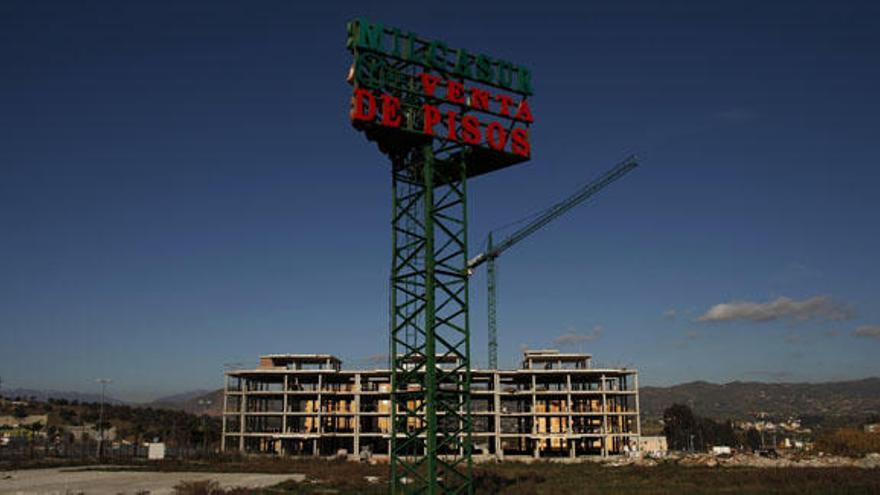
x=156 y=451
x=721 y=450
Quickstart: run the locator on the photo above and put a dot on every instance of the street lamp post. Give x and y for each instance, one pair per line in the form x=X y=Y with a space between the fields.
x=103 y=382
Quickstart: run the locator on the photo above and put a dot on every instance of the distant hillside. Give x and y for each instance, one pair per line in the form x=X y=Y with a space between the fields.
x=189 y=402
x=44 y=395
x=740 y=400
x=180 y=398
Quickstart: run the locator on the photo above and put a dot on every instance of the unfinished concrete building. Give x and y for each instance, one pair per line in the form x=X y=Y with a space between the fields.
x=555 y=405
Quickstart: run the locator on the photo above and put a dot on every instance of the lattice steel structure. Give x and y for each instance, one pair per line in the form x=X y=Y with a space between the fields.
x=410 y=97
x=491 y=297
x=430 y=337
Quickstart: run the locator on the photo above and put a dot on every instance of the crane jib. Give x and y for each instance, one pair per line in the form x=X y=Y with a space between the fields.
x=555 y=211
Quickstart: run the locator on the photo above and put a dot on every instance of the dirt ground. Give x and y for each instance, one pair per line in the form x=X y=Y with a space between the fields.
x=88 y=482
x=271 y=476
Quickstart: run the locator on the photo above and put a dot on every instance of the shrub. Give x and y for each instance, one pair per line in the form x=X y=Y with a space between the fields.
x=848 y=441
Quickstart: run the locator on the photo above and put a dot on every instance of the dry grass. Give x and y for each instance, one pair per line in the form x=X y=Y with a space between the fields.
x=344 y=477
x=672 y=479
x=849 y=442
x=207 y=488
x=569 y=479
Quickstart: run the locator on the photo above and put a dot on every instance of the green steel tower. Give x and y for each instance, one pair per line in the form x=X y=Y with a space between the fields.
x=441 y=116
x=430 y=337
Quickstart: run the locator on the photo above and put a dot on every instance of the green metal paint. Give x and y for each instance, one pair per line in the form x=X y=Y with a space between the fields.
x=484 y=69
x=491 y=315
x=429 y=318
x=463 y=63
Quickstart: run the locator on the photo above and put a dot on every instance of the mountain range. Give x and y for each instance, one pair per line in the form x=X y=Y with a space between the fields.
x=44 y=395
x=743 y=400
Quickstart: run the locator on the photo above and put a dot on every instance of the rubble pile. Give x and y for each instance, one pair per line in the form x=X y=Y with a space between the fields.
x=870 y=461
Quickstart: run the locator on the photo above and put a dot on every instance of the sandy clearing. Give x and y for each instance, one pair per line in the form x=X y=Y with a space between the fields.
x=69 y=481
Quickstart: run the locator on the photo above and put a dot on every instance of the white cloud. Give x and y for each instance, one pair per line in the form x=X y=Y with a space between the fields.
x=670 y=314
x=819 y=307
x=574 y=338
x=868 y=331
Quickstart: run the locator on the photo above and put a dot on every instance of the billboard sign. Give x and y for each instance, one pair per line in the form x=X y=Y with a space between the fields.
x=409 y=89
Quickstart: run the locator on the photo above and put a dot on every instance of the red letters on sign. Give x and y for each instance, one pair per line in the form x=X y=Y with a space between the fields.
x=390 y=106
x=499 y=135
x=519 y=142
x=359 y=112
x=451 y=118
x=479 y=99
x=505 y=104
x=470 y=129
x=429 y=82
x=432 y=118
x=454 y=92
x=496 y=136
x=524 y=113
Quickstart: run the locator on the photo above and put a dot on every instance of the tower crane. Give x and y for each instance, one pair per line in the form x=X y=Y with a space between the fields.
x=493 y=251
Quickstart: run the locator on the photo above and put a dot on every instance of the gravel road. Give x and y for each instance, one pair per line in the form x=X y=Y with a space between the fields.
x=73 y=481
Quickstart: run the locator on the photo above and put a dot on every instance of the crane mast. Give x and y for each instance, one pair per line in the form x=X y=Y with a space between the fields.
x=494 y=250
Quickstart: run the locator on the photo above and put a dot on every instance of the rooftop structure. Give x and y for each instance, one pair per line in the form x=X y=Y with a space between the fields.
x=550 y=359
x=300 y=361
x=555 y=405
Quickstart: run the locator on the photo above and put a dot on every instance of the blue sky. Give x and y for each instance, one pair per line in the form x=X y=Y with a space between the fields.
x=180 y=188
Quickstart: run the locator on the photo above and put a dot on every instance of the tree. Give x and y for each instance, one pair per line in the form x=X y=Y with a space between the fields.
x=753 y=439
x=20 y=412
x=685 y=431
x=67 y=415
x=35 y=428
x=679 y=423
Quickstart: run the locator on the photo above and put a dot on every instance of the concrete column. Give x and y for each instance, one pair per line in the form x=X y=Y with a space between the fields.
x=537 y=453
x=357 y=414
x=605 y=436
x=638 y=413
x=534 y=406
x=569 y=407
x=242 y=382
x=496 y=396
x=284 y=407
x=225 y=394
x=320 y=416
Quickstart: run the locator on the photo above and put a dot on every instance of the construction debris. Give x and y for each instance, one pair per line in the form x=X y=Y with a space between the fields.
x=870 y=461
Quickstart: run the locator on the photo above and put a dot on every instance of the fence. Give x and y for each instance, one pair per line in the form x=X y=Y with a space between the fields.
x=45 y=449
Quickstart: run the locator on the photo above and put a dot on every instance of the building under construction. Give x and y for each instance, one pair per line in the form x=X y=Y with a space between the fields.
x=554 y=405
